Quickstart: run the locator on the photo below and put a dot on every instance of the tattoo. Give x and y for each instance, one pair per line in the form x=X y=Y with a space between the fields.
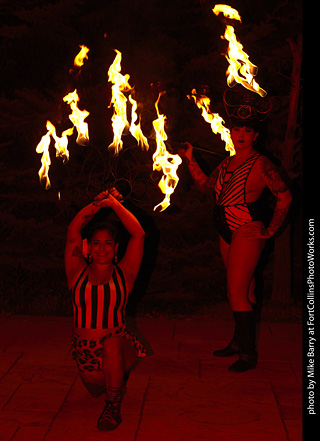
x=272 y=176
x=86 y=218
x=277 y=220
x=203 y=182
x=77 y=251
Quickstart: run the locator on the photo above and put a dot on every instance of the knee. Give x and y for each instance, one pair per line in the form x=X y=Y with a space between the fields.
x=112 y=347
x=237 y=292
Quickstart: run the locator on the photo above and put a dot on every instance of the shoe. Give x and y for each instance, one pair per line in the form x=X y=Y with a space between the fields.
x=110 y=417
x=228 y=351
x=244 y=363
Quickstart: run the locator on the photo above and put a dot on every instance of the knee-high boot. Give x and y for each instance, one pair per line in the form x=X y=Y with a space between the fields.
x=233 y=347
x=246 y=326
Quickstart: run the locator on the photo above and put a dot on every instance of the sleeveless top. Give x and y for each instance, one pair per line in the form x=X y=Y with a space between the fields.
x=99 y=306
x=231 y=195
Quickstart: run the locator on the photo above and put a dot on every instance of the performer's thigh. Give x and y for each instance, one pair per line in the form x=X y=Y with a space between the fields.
x=243 y=256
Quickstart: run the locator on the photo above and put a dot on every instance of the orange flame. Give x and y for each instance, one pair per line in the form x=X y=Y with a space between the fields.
x=61 y=145
x=119 y=101
x=227 y=12
x=135 y=128
x=81 y=56
x=43 y=147
x=162 y=160
x=240 y=69
x=214 y=119
x=77 y=118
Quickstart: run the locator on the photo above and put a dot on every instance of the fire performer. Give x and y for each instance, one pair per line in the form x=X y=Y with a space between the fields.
x=238 y=183
x=104 y=349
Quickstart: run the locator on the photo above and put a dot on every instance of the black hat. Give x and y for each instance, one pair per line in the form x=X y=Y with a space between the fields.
x=246 y=106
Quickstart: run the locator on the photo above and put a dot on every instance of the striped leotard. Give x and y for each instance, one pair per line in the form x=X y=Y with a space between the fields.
x=232 y=210
x=99 y=306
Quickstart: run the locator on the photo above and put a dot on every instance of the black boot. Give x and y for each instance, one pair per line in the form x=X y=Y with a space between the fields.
x=246 y=325
x=233 y=348
x=110 y=417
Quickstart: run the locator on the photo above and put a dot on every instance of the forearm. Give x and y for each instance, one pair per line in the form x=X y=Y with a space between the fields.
x=82 y=219
x=280 y=213
x=203 y=182
x=128 y=220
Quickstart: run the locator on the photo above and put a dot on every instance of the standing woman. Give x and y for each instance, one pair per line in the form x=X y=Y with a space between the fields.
x=237 y=184
x=104 y=350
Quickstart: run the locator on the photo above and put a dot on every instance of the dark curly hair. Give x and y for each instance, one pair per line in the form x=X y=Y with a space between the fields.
x=103 y=226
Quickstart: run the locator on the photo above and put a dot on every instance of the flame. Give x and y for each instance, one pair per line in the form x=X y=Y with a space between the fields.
x=162 y=160
x=77 y=118
x=227 y=12
x=135 y=128
x=81 y=56
x=61 y=145
x=240 y=69
x=43 y=147
x=119 y=101
x=214 y=119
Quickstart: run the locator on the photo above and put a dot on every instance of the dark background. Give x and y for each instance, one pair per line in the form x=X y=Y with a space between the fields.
x=173 y=46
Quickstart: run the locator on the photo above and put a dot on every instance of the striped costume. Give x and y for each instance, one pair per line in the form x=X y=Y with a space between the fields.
x=100 y=307
x=231 y=210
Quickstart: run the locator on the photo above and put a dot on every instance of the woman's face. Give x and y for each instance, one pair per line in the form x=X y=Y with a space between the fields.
x=102 y=247
x=243 y=137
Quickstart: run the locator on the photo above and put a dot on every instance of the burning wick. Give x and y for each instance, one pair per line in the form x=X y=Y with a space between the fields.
x=77 y=118
x=214 y=119
x=119 y=120
x=240 y=69
x=162 y=160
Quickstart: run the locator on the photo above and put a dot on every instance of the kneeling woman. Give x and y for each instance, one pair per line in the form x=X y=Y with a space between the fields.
x=105 y=351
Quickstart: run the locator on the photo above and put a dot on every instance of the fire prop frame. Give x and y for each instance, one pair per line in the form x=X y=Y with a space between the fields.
x=240 y=70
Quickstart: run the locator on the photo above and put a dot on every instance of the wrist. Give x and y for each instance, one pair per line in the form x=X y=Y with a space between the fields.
x=268 y=233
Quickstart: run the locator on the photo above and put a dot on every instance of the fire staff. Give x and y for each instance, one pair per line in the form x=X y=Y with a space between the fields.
x=104 y=349
x=238 y=183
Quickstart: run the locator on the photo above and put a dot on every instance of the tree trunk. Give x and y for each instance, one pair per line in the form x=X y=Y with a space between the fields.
x=282 y=289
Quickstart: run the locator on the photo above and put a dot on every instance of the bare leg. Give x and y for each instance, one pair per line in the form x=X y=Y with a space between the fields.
x=119 y=356
x=94 y=382
x=242 y=259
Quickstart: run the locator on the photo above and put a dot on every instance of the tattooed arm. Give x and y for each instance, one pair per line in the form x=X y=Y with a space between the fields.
x=273 y=180
x=203 y=182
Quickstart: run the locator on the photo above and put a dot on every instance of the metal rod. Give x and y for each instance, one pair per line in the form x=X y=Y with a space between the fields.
x=211 y=152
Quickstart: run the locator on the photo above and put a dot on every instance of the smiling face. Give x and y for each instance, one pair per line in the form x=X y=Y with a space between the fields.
x=243 y=137
x=102 y=247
